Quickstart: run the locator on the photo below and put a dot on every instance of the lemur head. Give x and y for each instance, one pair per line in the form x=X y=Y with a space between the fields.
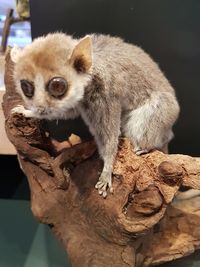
x=51 y=73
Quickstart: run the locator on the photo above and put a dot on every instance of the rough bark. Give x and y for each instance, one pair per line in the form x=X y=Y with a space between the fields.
x=138 y=225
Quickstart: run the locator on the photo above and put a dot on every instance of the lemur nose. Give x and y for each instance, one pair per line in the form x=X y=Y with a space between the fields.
x=57 y=87
x=41 y=109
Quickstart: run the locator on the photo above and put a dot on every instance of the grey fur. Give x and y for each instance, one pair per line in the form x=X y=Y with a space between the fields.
x=124 y=79
x=126 y=90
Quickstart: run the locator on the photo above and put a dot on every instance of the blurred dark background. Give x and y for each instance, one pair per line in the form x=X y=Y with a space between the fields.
x=169 y=30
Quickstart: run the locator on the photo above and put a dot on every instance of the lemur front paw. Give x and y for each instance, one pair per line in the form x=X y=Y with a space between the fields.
x=104 y=183
x=21 y=110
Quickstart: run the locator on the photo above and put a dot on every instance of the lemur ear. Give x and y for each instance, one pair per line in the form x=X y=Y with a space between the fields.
x=81 y=57
x=15 y=53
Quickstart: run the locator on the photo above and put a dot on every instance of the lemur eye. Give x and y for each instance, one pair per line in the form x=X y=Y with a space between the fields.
x=27 y=88
x=57 y=87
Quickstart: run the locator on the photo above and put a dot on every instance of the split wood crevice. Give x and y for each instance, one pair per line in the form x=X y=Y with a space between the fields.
x=136 y=226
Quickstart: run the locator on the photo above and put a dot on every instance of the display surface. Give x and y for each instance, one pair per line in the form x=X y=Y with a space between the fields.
x=24 y=242
x=37 y=246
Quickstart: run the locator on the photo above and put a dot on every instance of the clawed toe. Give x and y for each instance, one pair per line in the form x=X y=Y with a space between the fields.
x=17 y=109
x=139 y=152
x=102 y=185
x=21 y=110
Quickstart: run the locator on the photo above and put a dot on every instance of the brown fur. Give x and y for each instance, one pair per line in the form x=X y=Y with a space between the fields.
x=80 y=64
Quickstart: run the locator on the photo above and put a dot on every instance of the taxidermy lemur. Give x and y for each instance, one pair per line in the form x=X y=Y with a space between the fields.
x=114 y=86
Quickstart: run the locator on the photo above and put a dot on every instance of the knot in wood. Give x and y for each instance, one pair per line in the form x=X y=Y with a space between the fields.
x=147 y=202
x=170 y=172
x=24 y=126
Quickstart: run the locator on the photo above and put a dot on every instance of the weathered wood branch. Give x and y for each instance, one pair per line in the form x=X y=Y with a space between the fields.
x=136 y=226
